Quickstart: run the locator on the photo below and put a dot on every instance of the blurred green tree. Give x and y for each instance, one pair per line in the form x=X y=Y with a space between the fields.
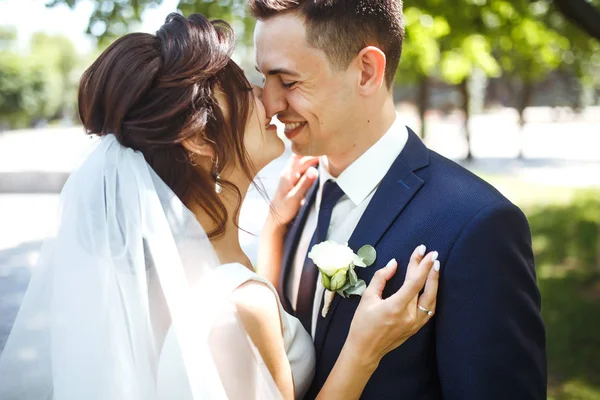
x=113 y=18
x=467 y=50
x=585 y=14
x=61 y=60
x=447 y=42
x=537 y=40
x=421 y=54
x=8 y=37
x=524 y=39
x=22 y=90
x=39 y=85
x=582 y=56
x=527 y=49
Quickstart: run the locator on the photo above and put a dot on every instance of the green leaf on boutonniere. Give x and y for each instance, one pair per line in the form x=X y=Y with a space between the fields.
x=367 y=254
x=357 y=289
x=353 y=278
x=342 y=292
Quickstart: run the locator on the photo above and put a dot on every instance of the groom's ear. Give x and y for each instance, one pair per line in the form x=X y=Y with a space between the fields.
x=371 y=63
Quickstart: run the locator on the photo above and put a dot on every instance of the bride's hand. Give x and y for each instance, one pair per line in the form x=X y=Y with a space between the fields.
x=379 y=326
x=297 y=177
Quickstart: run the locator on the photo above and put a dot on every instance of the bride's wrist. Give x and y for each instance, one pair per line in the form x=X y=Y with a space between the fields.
x=353 y=352
x=273 y=226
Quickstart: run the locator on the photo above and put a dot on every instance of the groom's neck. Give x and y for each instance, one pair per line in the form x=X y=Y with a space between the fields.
x=372 y=128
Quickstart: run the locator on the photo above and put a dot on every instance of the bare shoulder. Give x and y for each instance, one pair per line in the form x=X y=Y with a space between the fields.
x=258 y=307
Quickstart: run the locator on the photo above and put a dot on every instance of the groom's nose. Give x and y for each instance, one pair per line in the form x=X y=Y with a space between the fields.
x=274 y=98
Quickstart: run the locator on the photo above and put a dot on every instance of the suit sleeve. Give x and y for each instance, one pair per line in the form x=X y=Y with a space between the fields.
x=490 y=338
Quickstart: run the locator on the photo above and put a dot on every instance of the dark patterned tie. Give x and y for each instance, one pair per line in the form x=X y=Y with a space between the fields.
x=308 y=280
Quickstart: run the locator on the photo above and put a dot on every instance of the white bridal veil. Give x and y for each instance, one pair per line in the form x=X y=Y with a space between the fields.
x=128 y=269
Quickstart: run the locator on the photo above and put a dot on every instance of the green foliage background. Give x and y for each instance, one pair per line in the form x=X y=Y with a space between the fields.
x=449 y=41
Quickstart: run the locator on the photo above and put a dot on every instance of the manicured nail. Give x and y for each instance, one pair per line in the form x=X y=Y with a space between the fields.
x=392 y=262
x=312 y=173
x=436 y=266
x=434 y=256
x=422 y=249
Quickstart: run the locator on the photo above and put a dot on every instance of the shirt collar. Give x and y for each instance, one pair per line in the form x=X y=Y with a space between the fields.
x=366 y=172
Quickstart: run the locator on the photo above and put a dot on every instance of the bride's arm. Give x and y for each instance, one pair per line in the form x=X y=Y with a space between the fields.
x=259 y=312
x=379 y=326
x=270 y=249
x=295 y=181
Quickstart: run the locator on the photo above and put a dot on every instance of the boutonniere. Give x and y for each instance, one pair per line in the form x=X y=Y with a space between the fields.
x=336 y=265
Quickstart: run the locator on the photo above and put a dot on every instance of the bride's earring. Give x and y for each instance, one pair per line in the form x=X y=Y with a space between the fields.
x=218 y=187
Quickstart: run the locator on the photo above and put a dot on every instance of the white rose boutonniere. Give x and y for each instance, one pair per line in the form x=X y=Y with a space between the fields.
x=336 y=265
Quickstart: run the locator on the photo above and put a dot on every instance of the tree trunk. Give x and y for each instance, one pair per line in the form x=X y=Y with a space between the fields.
x=598 y=251
x=577 y=104
x=523 y=102
x=466 y=106
x=423 y=102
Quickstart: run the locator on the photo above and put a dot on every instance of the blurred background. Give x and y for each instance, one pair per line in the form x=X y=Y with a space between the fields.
x=509 y=89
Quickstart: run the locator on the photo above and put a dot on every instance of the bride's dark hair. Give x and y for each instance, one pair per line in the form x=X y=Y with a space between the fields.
x=156 y=94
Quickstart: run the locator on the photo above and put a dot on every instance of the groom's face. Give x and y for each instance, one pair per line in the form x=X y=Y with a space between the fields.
x=315 y=101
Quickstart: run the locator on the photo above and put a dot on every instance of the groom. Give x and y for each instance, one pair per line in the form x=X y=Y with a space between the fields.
x=329 y=67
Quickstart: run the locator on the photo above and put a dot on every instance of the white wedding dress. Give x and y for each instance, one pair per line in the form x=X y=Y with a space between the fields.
x=130 y=302
x=298 y=346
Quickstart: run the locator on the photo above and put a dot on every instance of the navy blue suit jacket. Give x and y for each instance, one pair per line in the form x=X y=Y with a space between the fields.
x=487 y=339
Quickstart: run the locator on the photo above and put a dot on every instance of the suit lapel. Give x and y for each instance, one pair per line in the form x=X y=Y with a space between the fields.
x=395 y=191
x=291 y=244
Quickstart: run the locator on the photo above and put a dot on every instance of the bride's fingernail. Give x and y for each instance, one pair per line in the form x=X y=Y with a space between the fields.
x=392 y=262
x=422 y=249
x=436 y=266
x=434 y=256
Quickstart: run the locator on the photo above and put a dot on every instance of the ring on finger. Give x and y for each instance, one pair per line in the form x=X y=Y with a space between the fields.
x=426 y=311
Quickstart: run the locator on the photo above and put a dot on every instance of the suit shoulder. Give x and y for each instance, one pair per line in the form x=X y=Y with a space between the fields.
x=459 y=185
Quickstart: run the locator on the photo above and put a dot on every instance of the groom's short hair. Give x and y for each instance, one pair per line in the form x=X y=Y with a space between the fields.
x=342 y=28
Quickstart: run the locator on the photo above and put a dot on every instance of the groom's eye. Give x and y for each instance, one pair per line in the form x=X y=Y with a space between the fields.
x=289 y=85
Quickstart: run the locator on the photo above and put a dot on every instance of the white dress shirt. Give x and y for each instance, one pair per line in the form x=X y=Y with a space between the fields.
x=359 y=182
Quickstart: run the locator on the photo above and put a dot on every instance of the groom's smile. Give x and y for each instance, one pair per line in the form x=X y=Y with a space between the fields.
x=316 y=101
x=292 y=129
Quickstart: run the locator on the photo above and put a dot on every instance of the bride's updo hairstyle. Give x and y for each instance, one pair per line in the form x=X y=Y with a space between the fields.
x=156 y=94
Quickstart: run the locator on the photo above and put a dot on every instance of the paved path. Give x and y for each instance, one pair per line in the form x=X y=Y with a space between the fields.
x=24 y=221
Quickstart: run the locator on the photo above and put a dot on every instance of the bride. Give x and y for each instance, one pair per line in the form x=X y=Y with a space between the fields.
x=144 y=291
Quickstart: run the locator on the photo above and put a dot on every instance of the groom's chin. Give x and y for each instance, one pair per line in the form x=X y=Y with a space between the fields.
x=304 y=150
x=303 y=146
